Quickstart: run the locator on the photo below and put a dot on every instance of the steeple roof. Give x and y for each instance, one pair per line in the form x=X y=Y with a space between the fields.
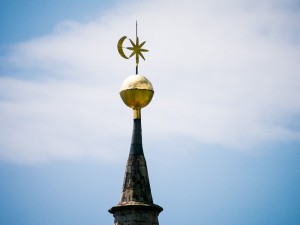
x=136 y=189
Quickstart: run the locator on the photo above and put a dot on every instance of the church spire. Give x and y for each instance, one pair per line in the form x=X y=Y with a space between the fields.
x=136 y=185
x=136 y=205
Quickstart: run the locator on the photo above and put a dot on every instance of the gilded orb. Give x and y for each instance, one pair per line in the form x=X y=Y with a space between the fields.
x=136 y=91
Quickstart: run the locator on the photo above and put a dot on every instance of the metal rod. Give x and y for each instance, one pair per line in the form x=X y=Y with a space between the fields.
x=136 y=35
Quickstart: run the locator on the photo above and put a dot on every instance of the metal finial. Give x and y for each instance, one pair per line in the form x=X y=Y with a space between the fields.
x=136 y=49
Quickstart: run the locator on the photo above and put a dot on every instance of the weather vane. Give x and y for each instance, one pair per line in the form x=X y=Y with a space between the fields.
x=136 y=49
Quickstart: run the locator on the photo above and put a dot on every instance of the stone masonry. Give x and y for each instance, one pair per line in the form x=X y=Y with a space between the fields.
x=136 y=206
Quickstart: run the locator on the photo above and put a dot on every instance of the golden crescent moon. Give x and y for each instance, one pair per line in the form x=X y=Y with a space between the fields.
x=120 y=47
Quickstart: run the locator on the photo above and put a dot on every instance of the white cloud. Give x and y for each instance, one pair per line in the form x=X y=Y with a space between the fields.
x=224 y=74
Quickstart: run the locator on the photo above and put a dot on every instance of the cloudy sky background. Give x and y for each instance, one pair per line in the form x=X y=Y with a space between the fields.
x=223 y=126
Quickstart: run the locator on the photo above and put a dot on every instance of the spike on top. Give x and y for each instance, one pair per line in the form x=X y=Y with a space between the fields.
x=136 y=48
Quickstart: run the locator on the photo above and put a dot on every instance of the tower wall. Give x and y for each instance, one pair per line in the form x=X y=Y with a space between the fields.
x=137 y=216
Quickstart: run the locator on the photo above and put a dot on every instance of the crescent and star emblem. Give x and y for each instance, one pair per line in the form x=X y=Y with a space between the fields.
x=136 y=48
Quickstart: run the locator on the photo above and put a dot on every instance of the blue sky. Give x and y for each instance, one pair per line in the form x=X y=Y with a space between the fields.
x=221 y=136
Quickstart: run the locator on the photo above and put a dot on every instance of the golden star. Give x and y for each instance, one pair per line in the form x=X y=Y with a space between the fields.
x=137 y=50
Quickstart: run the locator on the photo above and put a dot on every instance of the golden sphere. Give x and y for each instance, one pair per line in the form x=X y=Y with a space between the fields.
x=136 y=91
